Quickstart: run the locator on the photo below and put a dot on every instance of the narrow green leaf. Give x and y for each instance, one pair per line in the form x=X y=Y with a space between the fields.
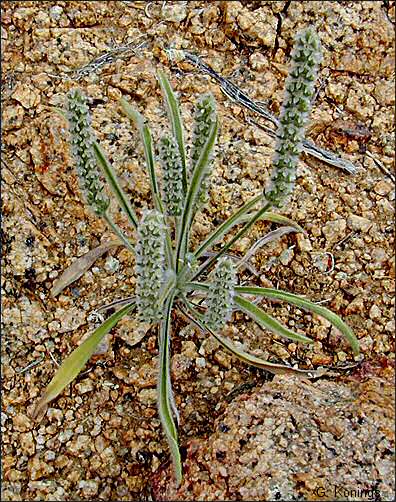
x=175 y=120
x=334 y=319
x=193 y=191
x=226 y=226
x=149 y=155
x=136 y=117
x=274 y=218
x=276 y=369
x=239 y=217
x=268 y=322
x=115 y=303
x=165 y=397
x=255 y=217
x=117 y=230
x=145 y=134
x=76 y=361
x=114 y=185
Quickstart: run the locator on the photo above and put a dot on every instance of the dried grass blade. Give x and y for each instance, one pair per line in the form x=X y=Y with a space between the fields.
x=80 y=266
x=269 y=237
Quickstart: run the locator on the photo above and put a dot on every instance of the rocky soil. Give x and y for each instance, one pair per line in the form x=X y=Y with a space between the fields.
x=291 y=438
x=101 y=439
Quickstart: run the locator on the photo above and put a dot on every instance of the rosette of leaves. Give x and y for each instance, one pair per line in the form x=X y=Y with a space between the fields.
x=171 y=273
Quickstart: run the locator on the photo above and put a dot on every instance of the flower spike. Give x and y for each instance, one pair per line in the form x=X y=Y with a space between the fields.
x=82 y=139
x=221 y=293
x=172 y=170
x=150 y=262
x=205 y=117
x=300 y=86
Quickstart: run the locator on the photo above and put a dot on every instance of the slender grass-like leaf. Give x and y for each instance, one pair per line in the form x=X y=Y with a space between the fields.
x=268 y=322
x=114 y=185
x=175 y=118
x=149 y=154
x=255 y=217
x=274 y=218
x=238 y=217
x=80 y=266
x=334 y=319
x=236 y=259
x=115 y=303
x=145 y=134
x=274 y=368
x=257 y=314
x=166 y=405
x=76 y=361
x=226 y=226
x=117 y=230
x=198 y=176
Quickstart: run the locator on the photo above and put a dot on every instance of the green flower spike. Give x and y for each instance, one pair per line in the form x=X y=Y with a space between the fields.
x=172 y=176
x=150 y=261
x=300 y=86
x=220 y=296
x=205 y=117
x=82 y=139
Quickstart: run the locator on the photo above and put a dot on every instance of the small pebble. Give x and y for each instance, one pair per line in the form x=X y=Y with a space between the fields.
x=200 y=362
x=112 y=264
x=55 y=12
x=286 y=256
x=356 y=222
x=375 y=312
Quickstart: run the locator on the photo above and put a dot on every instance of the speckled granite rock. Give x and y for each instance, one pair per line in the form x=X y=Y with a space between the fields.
x=292 y=439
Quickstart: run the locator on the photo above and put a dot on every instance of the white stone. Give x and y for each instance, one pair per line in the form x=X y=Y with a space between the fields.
x=375 y=312
x=356 y=222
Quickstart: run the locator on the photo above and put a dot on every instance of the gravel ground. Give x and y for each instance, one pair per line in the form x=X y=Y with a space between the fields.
x=101 y=439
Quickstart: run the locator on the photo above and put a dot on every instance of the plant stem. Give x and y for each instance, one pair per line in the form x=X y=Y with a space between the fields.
x=116 y=229
x=166 y=403
x=167 y=287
